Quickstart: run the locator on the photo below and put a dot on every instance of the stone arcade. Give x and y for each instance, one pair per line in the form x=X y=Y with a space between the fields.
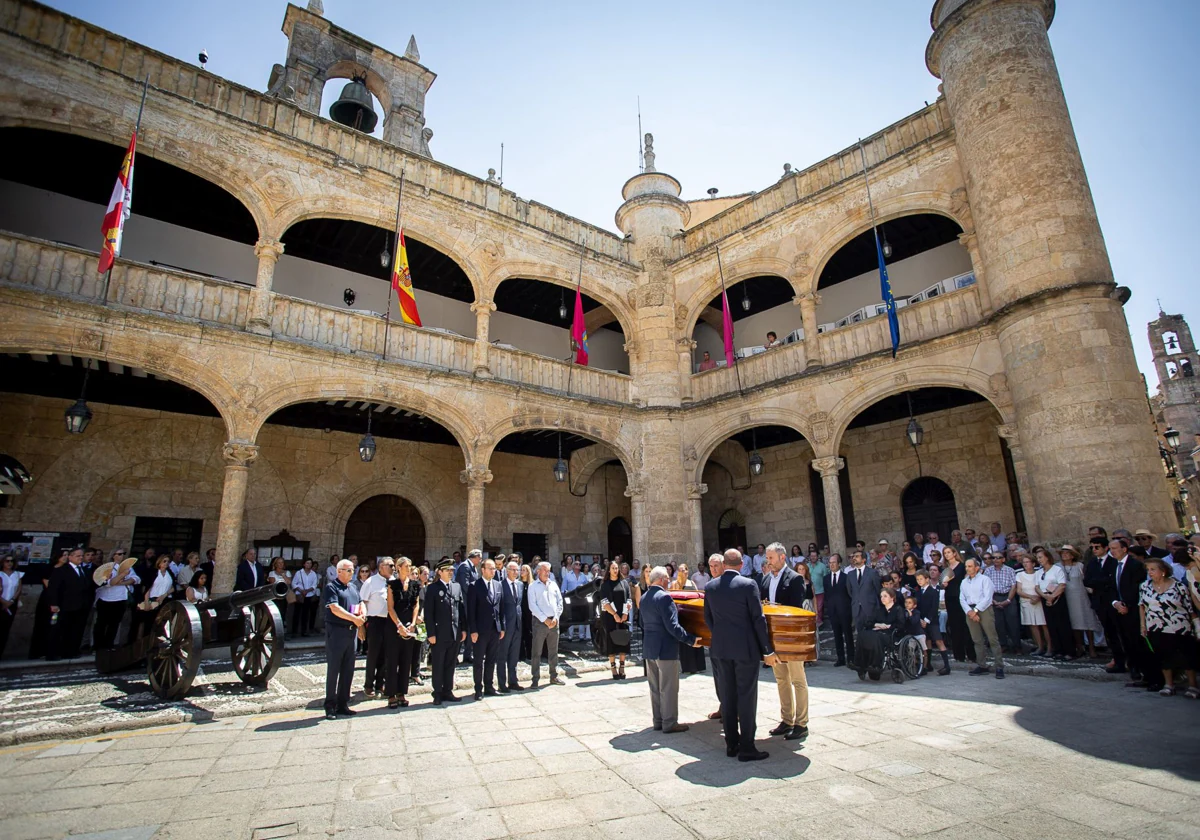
x=230 y=384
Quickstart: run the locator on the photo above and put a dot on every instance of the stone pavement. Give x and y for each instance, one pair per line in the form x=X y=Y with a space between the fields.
x=937 y=757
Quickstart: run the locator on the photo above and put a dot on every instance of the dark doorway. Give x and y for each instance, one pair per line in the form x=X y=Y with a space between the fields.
x=165 y=534
x=530 y=546
x=385 y=526
x=928 y=505
x=821 y=521
x=731 y=530
x=620 y=539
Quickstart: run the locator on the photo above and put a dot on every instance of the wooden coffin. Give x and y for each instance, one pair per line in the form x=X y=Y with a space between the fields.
x=793 y=631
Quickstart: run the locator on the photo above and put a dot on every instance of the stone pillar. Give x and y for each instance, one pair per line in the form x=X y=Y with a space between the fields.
x=971 y=242
x=695 y=492
x=637 y=512
x=268 y=252
x=1011 y=436
x=829 y=468
x=231 y=525
x=475 y=478
x=808 y=317
x=687 y=349
x=483 y=310
x=1078 y=396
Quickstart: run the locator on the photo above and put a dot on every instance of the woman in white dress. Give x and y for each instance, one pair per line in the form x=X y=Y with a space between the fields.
x=1032 y=615
x=197 y=590
x=1052 y=586
x=1079 y=606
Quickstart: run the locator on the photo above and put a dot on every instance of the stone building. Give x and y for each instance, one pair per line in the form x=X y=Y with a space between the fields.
x=236 y=355
x=1176 y=407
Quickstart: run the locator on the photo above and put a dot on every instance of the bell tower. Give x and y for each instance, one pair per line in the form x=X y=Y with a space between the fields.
x=319 y=51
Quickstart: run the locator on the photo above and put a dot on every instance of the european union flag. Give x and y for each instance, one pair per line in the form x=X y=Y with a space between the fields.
x=885 y=288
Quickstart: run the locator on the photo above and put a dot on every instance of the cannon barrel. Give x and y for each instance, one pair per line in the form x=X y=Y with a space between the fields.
x=246 y=598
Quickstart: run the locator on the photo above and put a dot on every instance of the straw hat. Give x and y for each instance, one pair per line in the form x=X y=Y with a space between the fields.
x=1068 y=547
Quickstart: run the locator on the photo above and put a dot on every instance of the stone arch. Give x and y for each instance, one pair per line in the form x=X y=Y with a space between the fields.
x=990 y=386
x=435 y=526
x=317 y=389
x=609 y=435
x=219 y=173
x=720 y=431
x=135 y=352
x=561 y=277
x=371 y=212
x=735 y=272
x=584 y=463
x=348 y=68
x=838 y=236
x=735 y=459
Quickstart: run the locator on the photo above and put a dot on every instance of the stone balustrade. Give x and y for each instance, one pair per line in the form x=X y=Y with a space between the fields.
x=945 y=314
x=554 y=375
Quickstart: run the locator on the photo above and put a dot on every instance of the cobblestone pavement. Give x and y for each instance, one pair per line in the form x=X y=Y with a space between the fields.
x=938 y=757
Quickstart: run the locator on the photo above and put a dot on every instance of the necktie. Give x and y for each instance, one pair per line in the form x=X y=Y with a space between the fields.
x=1120 y=568
x=859 y=579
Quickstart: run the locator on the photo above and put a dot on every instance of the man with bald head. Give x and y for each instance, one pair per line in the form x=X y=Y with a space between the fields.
x=734 y=615
x=342 y=621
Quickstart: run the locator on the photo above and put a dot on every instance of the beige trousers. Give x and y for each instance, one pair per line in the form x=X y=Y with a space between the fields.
x=793 y=692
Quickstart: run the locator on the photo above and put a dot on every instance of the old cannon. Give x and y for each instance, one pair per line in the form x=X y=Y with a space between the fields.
x=246 y=621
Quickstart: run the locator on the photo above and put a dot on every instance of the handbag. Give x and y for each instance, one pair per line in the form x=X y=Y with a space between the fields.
x=619 y=636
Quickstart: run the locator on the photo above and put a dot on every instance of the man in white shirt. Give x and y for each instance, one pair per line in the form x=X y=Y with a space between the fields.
x=932 y=544
x=373 y=596
x=998 y=540
x=753 y=566
x=307 y=586
x=975 y=595
x=111 y=599
x=546 y=605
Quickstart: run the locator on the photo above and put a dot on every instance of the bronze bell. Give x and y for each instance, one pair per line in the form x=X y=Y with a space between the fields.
x=353 y=108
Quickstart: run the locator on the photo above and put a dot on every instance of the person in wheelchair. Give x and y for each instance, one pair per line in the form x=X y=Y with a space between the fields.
x=886 y=627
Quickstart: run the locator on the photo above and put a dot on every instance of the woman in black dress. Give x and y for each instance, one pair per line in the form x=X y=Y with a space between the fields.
x=889 y=618
x=908 y=576
x=404 y=602
x=526 y=614
x=956 y=619
x=616 y=603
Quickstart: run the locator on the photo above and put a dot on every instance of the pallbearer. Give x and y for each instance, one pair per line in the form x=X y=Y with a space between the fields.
x=780 y=585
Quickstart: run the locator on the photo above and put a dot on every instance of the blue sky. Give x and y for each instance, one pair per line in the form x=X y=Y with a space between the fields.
x=733 y=91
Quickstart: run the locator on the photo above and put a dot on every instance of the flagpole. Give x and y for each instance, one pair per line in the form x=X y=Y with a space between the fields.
x=725 y=305
x=893 y=325
x=870 y=205
x=137 y=127
x=578 y=290
x=387 y=322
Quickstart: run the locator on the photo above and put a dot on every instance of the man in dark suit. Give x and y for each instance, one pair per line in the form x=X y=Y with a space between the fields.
x=1127 y=581
x=863 y=584
x=466 y=573
x=446 y=626
x=661 y=636
x=1099 y=578
x=780 y=585
x=485 y=622
x=248 y=574
x=512 y=590
x=837 y=609
x=734 y=615
x=69 y=594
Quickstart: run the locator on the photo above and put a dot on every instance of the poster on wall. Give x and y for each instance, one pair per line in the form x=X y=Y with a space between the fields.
x=35 y=551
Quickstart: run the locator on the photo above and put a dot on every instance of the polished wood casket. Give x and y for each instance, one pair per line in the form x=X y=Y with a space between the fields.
x=793 y=631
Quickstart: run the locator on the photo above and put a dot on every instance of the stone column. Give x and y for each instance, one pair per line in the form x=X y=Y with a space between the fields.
x=808 y=317
x=637 y=512
x=687 y=348
x=829 y=468
x=1011 y=436
x=475 y=478
x=694 y=493
x=971 y=242
x=268 y=252
x=483 y=310
x=231 y=525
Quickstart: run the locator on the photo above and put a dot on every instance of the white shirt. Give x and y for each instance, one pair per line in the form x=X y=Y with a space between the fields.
x=305 y=583
x=976 y=593
x=773 y=585
x=9 y=581
x=1044 y=579
x=931 y=547
x=331 y=573
x=373 y=593
x=571 y=580
x=163 y=584
x=116 y=594
x=999 y=542
x=279 y=577
x=545 y=600
x=701 y=578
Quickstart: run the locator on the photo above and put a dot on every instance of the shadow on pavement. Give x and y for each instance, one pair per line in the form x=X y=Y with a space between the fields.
x=712 y=768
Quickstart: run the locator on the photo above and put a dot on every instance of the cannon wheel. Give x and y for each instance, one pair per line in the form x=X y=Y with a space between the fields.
x=174 y=656
x=258 y=655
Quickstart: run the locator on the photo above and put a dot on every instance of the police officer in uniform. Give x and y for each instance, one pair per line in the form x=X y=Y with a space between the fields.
x=341 y=632
x=446 y=626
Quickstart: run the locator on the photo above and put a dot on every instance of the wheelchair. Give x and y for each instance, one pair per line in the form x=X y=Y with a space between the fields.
x=902 y=656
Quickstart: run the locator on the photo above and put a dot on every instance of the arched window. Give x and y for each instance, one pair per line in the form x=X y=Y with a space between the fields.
x=731 y=529
x=1171 y=343
x=928 y=505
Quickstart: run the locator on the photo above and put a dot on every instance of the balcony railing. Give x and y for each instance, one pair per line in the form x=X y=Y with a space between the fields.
x=69 y=271
x=947 y=313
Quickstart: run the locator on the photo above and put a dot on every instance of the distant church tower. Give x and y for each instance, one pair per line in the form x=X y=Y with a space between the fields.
x=1176 y=361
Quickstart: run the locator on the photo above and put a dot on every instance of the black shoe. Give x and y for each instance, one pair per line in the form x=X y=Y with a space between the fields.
x=516 y=687
x=437 y=701
x=490 y=692
x=841 y=663
x=1136 y=684
x=450 y=698
x=798 y=733
x=348 y=712
x=478 y=695
x=1114 y=670
x=978 y=670
x=999 y=673
x=782 y=729
x=943 y=672
x=658 y=726
x=502 y=690
x=757 y=755
x=330 y=716
x=731 y=752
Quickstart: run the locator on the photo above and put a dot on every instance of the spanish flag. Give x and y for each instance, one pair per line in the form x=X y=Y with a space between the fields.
x=118 y=210
x=402 y=283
